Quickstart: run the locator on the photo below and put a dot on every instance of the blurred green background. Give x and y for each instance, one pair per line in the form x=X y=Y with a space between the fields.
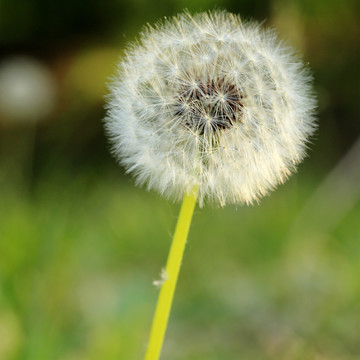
x=80 y=245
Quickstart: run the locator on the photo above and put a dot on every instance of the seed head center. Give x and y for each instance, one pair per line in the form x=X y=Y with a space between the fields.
x=209 y=106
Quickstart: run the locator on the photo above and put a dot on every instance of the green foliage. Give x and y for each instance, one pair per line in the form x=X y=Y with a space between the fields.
x=78 y=256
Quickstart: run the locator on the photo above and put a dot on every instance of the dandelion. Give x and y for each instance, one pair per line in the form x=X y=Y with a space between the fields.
x=208 y=108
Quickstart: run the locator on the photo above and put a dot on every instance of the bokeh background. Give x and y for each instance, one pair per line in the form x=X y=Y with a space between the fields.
x=80 y=245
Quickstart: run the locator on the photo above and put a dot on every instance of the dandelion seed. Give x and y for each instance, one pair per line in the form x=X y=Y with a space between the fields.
x=214 y=102
x=163 y=277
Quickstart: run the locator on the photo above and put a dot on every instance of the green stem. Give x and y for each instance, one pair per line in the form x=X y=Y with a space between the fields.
x=166 y=295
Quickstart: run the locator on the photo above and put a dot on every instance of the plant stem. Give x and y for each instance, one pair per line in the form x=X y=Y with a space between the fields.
x=166 y=295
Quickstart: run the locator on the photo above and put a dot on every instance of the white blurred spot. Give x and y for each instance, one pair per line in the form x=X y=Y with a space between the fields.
x=27 y=90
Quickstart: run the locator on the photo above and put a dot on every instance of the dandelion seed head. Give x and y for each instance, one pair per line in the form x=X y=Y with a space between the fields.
x=210 y=101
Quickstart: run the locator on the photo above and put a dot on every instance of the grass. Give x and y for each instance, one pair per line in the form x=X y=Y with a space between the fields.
x=79 y=253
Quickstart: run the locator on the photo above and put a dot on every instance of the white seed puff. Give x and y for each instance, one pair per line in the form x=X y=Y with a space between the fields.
x=210 y=101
